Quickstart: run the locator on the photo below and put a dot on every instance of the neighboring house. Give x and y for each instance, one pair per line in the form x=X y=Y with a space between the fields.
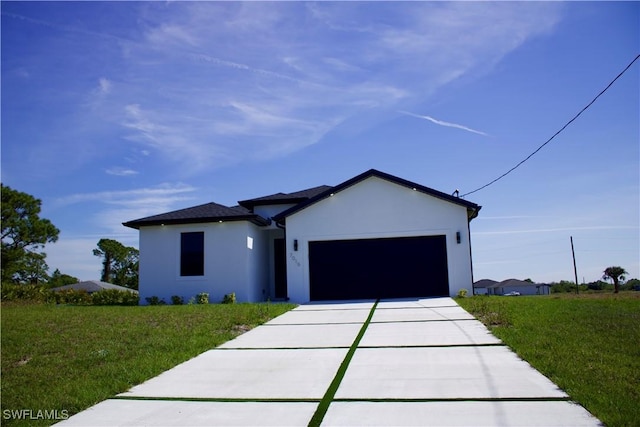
x=373 y=236
x=92 y=286
x=481 y=287
x=510 y=285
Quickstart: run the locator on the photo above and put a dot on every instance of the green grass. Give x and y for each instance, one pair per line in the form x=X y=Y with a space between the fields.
x=589 y=345
x=69 y=358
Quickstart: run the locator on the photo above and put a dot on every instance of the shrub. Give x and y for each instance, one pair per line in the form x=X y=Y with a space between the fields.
x=114 y=297
x=177 y=300
x=154 y=300
x=202 y=298
x=73 y=296
x=229 y=298
x=34 y=293
x=563 y=286
x=462 y=293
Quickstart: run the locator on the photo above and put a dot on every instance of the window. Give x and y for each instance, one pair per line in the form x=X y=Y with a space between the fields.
x=192 y=254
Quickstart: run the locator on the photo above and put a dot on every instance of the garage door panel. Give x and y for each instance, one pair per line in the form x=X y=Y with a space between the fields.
x=378 y=268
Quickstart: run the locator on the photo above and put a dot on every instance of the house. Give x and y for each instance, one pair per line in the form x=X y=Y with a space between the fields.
x=491 y=287
x=372 y=236
x=91 y=286
x=481 y=287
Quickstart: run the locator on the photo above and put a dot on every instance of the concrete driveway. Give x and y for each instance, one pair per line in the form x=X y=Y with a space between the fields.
x=414 y=362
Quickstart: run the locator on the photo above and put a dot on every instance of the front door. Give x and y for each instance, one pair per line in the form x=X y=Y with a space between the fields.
x=280 y=268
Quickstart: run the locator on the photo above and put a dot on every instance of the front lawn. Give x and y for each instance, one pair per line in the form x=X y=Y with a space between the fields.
x=589 y=345
x=66 y=358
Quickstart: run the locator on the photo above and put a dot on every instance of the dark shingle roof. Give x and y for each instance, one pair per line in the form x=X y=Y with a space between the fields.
x=484 y=283
x=209 y=212
x=472 y=208
x=514 y=282
x=284 y=198
x=214 y=212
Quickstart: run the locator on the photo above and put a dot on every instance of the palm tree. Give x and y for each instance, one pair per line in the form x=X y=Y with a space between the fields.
x=616 y=274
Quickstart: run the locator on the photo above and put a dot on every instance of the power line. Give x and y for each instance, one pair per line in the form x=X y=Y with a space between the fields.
x=557 y=133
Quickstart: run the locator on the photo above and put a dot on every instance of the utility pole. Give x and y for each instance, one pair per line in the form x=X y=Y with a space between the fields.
x=575 y=270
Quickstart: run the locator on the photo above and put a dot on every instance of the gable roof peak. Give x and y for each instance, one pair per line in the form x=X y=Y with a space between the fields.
x=472 y=208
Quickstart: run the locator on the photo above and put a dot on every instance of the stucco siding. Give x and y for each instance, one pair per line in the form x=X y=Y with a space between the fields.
x=234 y=261
x=377 y=208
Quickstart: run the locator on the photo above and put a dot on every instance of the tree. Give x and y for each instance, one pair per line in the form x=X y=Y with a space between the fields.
x=119 y=264
x=23 y=234
x=631 y=285
x=33 y=269
x=616 y=274
x=58 y=279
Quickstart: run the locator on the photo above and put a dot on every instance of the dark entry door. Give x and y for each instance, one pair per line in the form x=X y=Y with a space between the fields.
x=280 y=268
x=378 y=268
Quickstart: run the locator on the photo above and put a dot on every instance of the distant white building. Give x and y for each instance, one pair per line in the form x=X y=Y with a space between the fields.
x=492 y=287
x=481 y=287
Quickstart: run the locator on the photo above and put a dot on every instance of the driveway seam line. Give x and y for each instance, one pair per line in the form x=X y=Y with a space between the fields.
x=344 y=399
x=365 y=346
x=420 y=307
x=217 y=399
x=435 y=345
x=457 y=399
x=326 y=400
x=283 y=348
x=377 y=322
x=273 y=325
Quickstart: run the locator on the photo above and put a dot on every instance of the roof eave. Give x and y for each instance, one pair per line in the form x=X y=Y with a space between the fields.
x=255 y=219
x=251 y=204
x=473 y=213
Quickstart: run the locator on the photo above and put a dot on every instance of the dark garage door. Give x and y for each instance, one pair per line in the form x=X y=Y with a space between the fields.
x=378 y=268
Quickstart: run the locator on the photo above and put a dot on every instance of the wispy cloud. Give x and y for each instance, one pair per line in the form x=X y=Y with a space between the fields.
x=120 y=171
x=443 y=123
x=104 y=85
x=253 y=86
x=164 y=193
x=203 y=85
x=111 y=208
x=65 y=28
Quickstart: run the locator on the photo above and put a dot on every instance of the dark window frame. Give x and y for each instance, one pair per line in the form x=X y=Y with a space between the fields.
x=192 y=254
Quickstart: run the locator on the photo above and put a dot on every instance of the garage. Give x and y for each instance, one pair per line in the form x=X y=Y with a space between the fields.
x=399 y=267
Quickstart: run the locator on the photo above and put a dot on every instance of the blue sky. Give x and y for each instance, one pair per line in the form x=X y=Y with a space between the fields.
x=113 y=111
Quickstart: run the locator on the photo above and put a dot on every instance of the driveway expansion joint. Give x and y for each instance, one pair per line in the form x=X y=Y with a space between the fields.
x=435 y=345
x=423 y=321
x=217 y=399
x=457 y=399
x=337 y=347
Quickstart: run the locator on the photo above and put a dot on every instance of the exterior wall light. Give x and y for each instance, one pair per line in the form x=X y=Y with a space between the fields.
x=295 y=245
x=458 y=237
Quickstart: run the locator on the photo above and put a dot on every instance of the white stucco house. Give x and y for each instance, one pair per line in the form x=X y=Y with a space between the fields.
x=372 y=236
x=523 y=287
